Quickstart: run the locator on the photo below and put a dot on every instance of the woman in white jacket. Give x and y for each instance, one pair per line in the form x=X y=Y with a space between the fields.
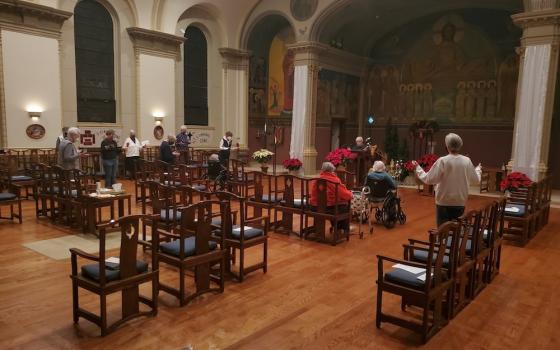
x=132 y=146
x=451 y=176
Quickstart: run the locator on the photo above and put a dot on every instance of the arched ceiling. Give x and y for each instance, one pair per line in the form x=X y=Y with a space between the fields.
x=361 y=23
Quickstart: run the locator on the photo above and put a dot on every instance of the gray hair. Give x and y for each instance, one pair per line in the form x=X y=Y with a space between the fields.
x=74 y=131
x=183 y=127
x=328 y=166
x=378 y=166
x=214 y=157
x=171 y=137
x=453 y=142
x=132 y=131
x=360 y=139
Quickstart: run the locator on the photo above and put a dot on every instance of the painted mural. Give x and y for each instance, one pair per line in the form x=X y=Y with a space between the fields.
x=337 y=95
x=281 y=74
x=458 y=68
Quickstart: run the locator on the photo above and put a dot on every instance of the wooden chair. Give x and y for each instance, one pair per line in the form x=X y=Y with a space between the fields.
x=242 y=236
x=348 y=178
x=542 y=203
x=192 y=246
x=163 y=201
x=144 y=172
x=265 y=196
x=189 y=176
x=10 y=196
x=323 y=213
x=104 y=278
x=45 y=201
x=495 y=242
x=484 y=181
x=431 y=293
x=241 y=182
x=519 y=214
x=292 y=203
x=481 y=248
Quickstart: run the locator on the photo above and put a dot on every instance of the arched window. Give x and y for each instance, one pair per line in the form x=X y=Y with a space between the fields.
x=95 y=71
x=196 y=77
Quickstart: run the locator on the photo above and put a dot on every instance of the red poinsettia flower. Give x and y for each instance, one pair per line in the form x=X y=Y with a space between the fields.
x=292 y=164
x=340 y=156
x=514 y=181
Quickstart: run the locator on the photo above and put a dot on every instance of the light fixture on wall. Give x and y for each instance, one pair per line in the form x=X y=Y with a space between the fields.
x=34 y=112
x=158 y=117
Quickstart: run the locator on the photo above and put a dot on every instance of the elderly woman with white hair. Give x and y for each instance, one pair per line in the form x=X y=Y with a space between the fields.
x=451 y=176
x=68 y=154
x=132 y=147
x=378 y=172
x=359 y=144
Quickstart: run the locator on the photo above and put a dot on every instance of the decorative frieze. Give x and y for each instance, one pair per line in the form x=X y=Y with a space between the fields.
x=152 y=42
x=31 y=18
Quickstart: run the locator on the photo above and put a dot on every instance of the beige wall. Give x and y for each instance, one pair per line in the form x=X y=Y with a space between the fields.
x=31 y=69
x=155 y=85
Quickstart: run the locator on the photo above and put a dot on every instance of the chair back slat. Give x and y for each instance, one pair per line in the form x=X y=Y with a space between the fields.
x=130 y=229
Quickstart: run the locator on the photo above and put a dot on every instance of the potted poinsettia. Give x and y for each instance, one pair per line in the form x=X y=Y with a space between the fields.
x=515 y=181
x=340 y=157
x=426 y=162
x=293 y=165
x=263 y=156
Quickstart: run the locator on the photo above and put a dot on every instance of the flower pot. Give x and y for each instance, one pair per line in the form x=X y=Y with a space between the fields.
x=296 y=172
x=264 y=168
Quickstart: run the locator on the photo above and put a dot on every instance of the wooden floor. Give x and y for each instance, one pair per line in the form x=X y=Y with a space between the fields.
x=313 y=297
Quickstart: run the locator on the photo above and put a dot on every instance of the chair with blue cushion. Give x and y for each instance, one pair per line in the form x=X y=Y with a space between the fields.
x=428 y=286
x=163 y=201
x=192 y=247
x=266 y=195
x=292 y=192
x=519 y=214
x=10 y=196
x=144 y=171
x=495 y=242
x=107 y=277
x=250 y=232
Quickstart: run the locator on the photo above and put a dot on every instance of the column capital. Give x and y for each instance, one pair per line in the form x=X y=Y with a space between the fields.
x=539 y=27
x=155 y=43
x=235 y=58
x=30 y=18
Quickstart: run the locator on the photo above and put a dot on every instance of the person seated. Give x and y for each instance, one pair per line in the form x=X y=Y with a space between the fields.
x=359 y=145
x=379 y=182
x=344 y=195
x=214 y=166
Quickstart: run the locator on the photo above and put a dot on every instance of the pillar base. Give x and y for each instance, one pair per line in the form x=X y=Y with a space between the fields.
x=310 y=161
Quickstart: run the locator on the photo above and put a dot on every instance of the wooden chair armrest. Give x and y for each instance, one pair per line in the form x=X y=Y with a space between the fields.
x=381 y=258
x=257 y=219
x=168 y=234
x=111 y=223
x=412 y=241
x=81 y=253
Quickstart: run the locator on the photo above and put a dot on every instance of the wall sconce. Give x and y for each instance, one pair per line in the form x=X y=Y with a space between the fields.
x=34 y=116
x=158 y=118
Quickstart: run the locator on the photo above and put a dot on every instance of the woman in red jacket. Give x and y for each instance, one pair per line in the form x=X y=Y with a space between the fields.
x=337 y=194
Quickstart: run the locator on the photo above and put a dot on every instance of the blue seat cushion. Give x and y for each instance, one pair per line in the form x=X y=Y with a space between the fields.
x=249 y=232
x=91 y=271
x=167 y=215
x=199 y=187
x=267 y=198
x=516 y=210
x=7 y=196
x=215 y=221
x=297 y=202
x=189 y=244
x=422 y=256
x=21 y=178
x=405 y=278
x=172 y=183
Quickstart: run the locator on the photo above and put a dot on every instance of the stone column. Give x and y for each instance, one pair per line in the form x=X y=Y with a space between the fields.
x=235 y=94
x=156 y=54
x=306 y=55
x=541 y=30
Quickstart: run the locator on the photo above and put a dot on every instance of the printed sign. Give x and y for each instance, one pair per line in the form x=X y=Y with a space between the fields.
x=92 y=137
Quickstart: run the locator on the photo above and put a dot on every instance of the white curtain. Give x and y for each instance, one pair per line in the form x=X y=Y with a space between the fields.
x=299 y=112
x=529 y=122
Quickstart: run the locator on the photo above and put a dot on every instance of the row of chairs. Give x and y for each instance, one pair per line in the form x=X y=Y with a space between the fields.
x=198 y=246
x=444 y=274
x=527 y=211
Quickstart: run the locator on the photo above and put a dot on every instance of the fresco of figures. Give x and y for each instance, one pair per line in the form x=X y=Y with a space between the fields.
x=337 y=95
x=456 y=68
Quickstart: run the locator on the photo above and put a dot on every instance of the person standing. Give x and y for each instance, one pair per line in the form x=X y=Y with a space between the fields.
x=225 y=148
x=110 y=156
x=166 y=152
x=59 y=139
x=132 y=146
x=182 y=143
x=68 y=156
x=451 y=176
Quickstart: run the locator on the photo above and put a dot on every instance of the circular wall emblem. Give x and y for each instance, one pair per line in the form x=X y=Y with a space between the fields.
x=158 y=132
x=35 y=131
x=303 y=9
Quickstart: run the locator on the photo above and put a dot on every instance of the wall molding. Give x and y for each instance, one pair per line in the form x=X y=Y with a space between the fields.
x=234 y=59
x=31 y=18
x=155 y=43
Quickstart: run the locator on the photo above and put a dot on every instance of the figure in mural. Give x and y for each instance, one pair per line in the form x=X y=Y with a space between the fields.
x=418 y=101
x=390 y=92
x=491 y=99
x=410 y=92
x=428 y=100
x=375 y=92
x=288 y=69
x=507 y=87
x=334 y=98
x=448 y=58
x=402 y=101
x=470 y=100
x=460 y=100
x=274 y=94
x=322 y=99
x=480 y=99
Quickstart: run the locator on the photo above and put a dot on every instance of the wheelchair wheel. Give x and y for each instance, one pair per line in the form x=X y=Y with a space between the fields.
x=402 y=218
x=389 y=220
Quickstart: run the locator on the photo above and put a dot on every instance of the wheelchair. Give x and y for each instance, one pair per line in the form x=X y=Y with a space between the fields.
x=219 y=175
x=386 y=203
